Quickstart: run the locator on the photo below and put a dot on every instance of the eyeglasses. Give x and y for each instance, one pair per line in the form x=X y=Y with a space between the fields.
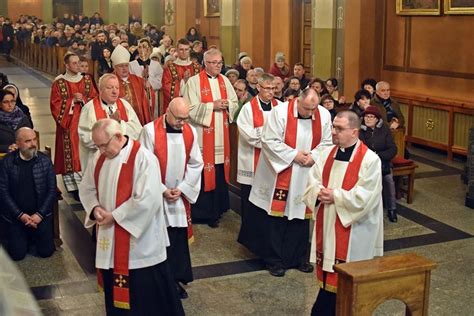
x=214 y=63
x=104 y=146
x=369 y=116
x=270 y=88
x=339 y=129
x=179 y=119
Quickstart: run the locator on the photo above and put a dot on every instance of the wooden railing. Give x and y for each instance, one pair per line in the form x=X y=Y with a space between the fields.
x=437 y=122
x=46 y=59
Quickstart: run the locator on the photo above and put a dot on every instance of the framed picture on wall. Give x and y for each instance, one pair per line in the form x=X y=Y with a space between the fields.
x=211 y=8
x=418 y=7
x=459 y=6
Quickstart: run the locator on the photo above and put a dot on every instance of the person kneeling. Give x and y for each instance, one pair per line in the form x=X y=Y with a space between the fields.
x=27 y=192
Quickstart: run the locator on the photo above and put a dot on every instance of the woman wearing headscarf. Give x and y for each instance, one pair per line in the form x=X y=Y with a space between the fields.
x=19 y=102
x=11 y=119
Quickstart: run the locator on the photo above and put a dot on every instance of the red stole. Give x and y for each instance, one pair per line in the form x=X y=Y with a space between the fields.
x=161 y=151
x=257 y=115
x=121 y=280
x=342 y=233
x=208 y=137
x=284 y=178
x=101 y=114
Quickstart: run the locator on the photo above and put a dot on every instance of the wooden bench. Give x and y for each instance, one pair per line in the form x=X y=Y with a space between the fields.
x=363 y=285
x=406 y=169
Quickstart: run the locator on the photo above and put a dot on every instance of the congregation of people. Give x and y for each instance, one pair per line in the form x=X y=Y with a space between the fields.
x=147 y=168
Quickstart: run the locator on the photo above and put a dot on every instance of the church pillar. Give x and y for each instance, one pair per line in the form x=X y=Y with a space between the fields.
x=4 y=7
x=157 y=11
x=328 y=40
x=229 y=36
x=48 y=11
x=115 y=11
x=89 y=7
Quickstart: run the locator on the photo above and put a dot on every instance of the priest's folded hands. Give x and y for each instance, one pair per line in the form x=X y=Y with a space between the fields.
x=102 y=216
x=326 y=196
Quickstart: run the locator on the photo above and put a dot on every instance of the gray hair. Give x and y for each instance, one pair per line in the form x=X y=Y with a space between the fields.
x=246 y=59
x=109 y=126
x=212 y=52
x=379 y=85
x=279 y=56
x=105 y=78
x=265 y=78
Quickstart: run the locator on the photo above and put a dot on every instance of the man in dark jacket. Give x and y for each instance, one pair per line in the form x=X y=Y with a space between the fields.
x=388 y=107
x=8 y=40
x=27 y=193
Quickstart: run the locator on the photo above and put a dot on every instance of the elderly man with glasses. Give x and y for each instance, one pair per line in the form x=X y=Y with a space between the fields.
x=212 y=102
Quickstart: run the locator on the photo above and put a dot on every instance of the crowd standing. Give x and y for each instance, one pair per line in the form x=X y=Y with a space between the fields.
x=299 y=143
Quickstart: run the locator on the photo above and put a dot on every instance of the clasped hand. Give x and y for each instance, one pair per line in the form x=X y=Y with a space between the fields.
x=304 y=158
x=102 y=216
x=172 y=195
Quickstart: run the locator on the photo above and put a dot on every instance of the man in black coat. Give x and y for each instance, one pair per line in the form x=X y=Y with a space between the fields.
x=8 y=40
x=27 y=194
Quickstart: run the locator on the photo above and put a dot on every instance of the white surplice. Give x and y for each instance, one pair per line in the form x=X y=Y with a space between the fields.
x=276 y=156
x=361 y=208
x=249 y=139
x=155 y=72
x=201 y=113
x=87 y=148
x=189 y=182
x=142 y=215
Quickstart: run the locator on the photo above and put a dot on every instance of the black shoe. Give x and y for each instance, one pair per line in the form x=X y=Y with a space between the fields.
x=306 y=267
x=181 y=291
x=276 y=271
x=213 y=224
x=392 y=216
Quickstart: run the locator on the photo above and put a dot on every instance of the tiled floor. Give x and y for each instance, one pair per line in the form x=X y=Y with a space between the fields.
x=229 y=280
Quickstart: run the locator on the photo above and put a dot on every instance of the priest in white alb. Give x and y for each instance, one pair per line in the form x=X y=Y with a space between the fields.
x=250 y=121
x=106 y=105
x=174 y=143
x=212 y=103
x=119 y=194
x=292 y=139
x=345 y=190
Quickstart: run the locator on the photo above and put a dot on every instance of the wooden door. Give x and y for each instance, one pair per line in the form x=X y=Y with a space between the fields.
x=306 y=17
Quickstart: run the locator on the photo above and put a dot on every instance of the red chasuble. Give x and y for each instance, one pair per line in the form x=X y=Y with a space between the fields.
x=208 y=135
x=134 y=92
x=161 y=151
x=283 y=179
x=258 y=121
x=66 y=157
x=101 y=114
x=172 y=76
x=342 y=233
x=121 y=280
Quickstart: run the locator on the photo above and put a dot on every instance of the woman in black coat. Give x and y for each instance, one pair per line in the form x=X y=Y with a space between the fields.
x=378 y=137
x=11 y=119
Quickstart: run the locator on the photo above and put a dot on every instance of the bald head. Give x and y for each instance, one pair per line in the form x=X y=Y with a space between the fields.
x=177 y=113
x=26 y=142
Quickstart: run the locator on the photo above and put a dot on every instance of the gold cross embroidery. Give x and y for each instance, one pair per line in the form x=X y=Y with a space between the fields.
x=208 y=130
x=208 y=167
x=205 y=91
x=104 y=243
x=280 y=195
x=120 y=281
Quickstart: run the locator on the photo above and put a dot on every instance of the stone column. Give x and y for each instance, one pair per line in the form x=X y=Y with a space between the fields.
x=89 y=7
x=153 y=11
x=47 y=11
x=117 y=11
x=230 y=32
x=323 y=44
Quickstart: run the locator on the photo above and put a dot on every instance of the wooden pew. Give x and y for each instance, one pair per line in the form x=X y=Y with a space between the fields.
x=363 y=285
